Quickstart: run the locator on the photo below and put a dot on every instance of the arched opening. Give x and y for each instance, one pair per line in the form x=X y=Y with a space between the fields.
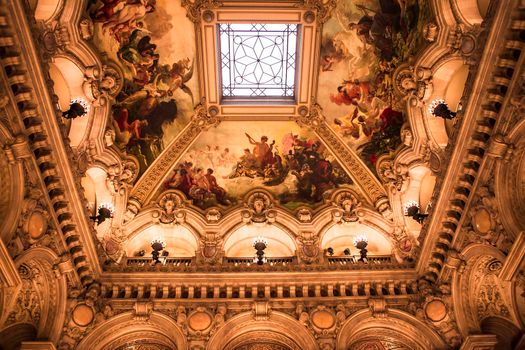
x=279 y=330
x=261 y=340
x=123 y=332
x=448 y=81
x=400 y=329
x=36 y=309
x=378 y=341
x=472 y=11
x=479 y=293
x=180 y=241
x=44 y=10
x=12 y=336
x=240 y=242
x=507 y=333
x=68 y=79
x=341 y=238
x=419 y=192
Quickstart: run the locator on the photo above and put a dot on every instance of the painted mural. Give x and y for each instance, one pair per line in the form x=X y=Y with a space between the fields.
x=362 y=44
x=230 y=160
x=154 y=44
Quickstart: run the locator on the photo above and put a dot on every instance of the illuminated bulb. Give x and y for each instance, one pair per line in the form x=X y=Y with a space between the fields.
x=260 y=239
x=359 y=239
x=410 y=204
x=436 y=103
x=82 y=102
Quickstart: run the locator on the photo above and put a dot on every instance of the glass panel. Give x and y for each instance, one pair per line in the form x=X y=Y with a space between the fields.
x=258 y=60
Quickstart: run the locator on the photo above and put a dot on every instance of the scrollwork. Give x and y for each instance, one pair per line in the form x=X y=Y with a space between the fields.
x=102 y=84
x=347 y=205
x=194 y=8
x=170 y=208
x=322 y=8
x=258 y=208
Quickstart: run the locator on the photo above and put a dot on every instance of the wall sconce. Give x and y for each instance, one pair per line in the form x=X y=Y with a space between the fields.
x=330 y=251
x=104 y=212
x=77 y=108
x=260 y=244
x=439 y=108
x=157 y=245
x=412 y=210
x=361 y=242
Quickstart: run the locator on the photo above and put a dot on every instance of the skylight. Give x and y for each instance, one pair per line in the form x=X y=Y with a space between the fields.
x=258 y=60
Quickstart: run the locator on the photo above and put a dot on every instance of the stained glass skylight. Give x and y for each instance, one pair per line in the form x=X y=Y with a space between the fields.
x=258 y=60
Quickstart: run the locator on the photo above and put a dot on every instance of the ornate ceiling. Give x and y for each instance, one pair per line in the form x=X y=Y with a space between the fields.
x=339 y=151
x=145 y=187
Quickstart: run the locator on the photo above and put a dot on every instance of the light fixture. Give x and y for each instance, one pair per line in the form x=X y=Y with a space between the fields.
x=330 y=251
x=77 y=108
x=361 y=242
x=347 y=251
x=157 y=245
x=260 y=244
x=104 y=211
x=439 y=108
x=412 y=210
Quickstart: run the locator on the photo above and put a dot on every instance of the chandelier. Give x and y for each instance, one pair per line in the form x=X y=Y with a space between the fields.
x=439 y=108
x=260 y=244
x=412 y=209
x=361 y=242
x=78 y=108
x=104 y=211
x=157 y=245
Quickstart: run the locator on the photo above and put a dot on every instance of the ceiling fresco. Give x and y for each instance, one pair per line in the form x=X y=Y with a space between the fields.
x=227 y=162
x=362 y=44
x=153 y=43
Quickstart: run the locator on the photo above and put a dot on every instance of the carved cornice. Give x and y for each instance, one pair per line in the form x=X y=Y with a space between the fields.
x=487 y=103
x=39 y=115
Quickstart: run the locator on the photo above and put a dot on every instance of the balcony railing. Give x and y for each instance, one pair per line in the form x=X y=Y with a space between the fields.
x=247 y=263
x=168 y=261
x=354 y=259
